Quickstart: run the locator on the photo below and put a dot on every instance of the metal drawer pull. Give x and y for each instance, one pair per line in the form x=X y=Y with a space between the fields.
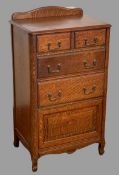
x=89 y=66
x=54 y=71
x=53 y=49
x=87 y=91
x=59 y=44
x=49 y=46
x=93 y=42
x=51 y=98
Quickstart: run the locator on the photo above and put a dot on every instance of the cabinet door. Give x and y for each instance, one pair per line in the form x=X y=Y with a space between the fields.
x=69 y=123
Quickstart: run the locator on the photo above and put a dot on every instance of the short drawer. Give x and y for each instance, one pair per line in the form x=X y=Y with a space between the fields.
x=90 y=38
x=70 y=89
x=71 y=64
x=53 y=42
x=70 y=123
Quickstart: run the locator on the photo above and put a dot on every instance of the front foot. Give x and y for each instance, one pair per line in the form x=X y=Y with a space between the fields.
x=34 y=165
x=16 y=141
x=101 y=148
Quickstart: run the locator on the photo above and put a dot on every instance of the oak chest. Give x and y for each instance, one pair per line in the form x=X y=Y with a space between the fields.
x=60 y=69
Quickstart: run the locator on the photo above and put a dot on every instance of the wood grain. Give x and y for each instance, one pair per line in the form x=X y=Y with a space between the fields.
x=72 y=89
x=70 y=123
x=50 y=11
x=90 y=38
x=33 y=102
x=60 y=89
x=79 y=63
x=22 y=91
x=53 y=42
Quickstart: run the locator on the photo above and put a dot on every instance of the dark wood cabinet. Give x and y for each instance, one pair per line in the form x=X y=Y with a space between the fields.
x=60 y=70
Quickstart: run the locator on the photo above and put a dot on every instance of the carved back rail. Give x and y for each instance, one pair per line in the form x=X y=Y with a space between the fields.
x=50 y=11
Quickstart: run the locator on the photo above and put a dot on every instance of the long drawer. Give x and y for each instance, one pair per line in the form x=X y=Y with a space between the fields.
x=71 y=64
x=70 y=89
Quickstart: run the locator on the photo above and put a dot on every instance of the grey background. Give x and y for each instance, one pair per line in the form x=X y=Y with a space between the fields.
x=85 y=161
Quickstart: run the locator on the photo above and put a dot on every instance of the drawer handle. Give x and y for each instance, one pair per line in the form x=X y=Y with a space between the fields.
x=49 y=46
x=59 y=44
x=54 y=71
x=93 y=42
x=51 y=98
x=89 y=66
x=87 y=91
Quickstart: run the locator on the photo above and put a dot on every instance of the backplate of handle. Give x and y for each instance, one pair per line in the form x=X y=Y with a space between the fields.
x=88 y=91
x=56 y=97
x=54 y=71
x=89 y=66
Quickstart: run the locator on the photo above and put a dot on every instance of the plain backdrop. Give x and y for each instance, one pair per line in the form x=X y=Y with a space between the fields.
x=85 y=161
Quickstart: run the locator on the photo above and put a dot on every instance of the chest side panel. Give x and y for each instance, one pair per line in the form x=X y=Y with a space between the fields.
x=21 y=70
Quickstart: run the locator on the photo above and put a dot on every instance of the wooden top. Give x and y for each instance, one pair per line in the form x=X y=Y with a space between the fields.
x=55 y=18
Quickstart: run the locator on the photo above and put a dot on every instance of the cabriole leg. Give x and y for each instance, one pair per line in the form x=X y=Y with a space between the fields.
x=34 y=164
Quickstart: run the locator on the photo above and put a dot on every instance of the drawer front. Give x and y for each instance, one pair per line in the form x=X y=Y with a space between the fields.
x=70 y=89
x=77 y=121
x=53 y=42
x=82 y=62
x=90 y=38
